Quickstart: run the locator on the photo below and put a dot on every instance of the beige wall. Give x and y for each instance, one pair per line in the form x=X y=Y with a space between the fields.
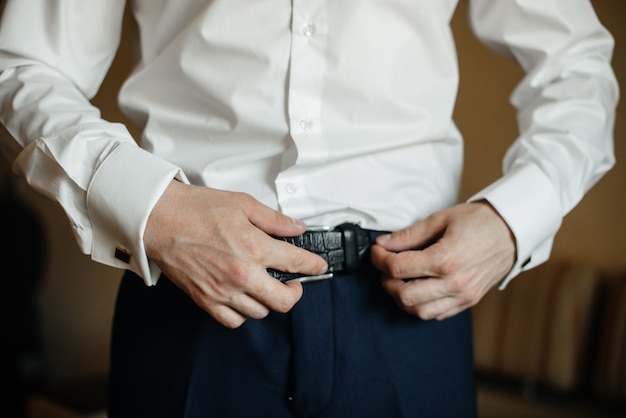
x=77 y=297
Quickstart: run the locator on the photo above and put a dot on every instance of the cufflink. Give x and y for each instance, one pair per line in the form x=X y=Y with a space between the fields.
x=123 y=254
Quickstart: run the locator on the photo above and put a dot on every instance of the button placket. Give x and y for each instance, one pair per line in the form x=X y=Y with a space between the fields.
x=308 y=29
x=306 y=81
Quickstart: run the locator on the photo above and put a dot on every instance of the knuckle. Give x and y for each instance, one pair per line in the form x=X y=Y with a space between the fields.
x=455 y=286
x=405 y=299
x=471 y=297
x=424 y=313
x=437 y=217
x=254 y=252
x=448 y=265
x=395 y=270
x=243 y=197
x=283 y=306
x=297 y=260
x=226 y=318
x=260 y=313
x=234 y=323
x=239 y=275
x=304 y=261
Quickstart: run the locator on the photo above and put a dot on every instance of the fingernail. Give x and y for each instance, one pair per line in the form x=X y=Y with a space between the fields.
x=299 y=223
x=381 y=239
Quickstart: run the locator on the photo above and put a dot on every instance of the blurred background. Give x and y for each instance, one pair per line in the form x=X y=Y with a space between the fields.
x=64 y=322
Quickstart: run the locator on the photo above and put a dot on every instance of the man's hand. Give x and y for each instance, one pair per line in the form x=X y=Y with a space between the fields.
x=446 y=263
x=215 y=246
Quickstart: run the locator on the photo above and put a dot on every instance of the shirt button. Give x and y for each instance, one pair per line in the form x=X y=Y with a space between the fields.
x=306 y=124
x=309 y=30
x=291 y=188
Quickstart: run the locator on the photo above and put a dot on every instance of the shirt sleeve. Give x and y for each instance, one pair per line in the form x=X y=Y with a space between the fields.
x=58 y=140
x=566 y=108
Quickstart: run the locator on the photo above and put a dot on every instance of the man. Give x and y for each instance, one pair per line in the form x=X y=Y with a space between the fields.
x=262 y=119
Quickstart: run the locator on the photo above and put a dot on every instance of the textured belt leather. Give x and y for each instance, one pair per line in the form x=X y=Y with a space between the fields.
x=343 y=249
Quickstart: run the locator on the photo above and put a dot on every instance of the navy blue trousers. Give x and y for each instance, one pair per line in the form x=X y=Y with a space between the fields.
x=344 y=350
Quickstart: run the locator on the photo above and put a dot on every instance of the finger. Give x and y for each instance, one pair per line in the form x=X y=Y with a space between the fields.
x=413 y=292
x=291 y=259
x=418 y=236
x=252 y=296
x=270 y=221
x=454 y=310
x=424 y=298
x=268 y=252
x=439 y=309
x=434 y=297
x=406 y=264
x=249 y=307
x=275 y=295
x=227 y=316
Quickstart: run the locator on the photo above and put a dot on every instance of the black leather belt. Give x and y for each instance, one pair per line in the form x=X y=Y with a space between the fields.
x=343 y=249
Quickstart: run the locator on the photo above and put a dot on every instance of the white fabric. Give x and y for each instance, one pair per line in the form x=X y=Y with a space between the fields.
x=329 y=111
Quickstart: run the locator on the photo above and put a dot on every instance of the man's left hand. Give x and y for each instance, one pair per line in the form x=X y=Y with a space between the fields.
x=445 y=263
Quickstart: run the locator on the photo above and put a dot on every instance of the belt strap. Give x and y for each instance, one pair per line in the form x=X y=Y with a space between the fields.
x=343 y=249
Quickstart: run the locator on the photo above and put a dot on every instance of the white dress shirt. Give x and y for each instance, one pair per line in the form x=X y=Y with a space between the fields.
x=329 y=111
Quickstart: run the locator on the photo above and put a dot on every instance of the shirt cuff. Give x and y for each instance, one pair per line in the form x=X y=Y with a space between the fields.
x=528 y=203
x=122 y=193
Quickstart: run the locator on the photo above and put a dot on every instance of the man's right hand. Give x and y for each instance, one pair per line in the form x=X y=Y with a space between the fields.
x=216 y=246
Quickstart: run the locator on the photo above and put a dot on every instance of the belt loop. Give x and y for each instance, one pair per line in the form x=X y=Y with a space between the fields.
x=350 y=245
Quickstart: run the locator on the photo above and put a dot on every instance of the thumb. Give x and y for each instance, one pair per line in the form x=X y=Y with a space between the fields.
x=415 y=237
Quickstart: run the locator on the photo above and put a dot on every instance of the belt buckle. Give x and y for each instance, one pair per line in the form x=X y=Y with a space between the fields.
x=316 y=278
x=318 y=228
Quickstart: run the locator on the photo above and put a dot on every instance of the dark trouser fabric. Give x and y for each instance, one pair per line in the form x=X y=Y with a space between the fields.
x=345 y=350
